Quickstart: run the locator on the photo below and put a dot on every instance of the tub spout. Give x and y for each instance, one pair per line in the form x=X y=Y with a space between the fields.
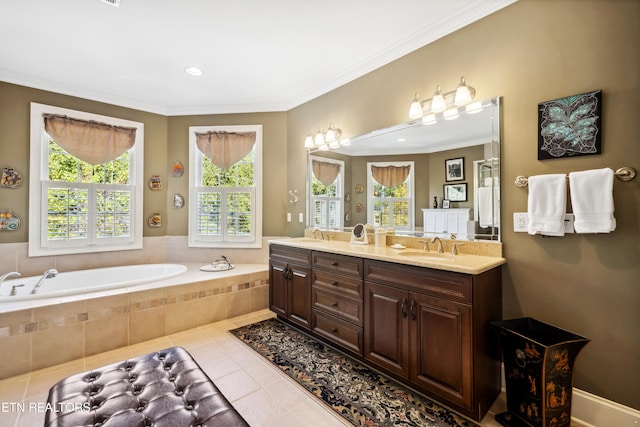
x=7 y=275
x=47 y=275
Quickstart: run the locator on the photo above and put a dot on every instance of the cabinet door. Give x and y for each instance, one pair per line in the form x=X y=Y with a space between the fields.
x=386 y=341
x=278 y=287
x=300 y=295
x=435 y=221
x=441 y=359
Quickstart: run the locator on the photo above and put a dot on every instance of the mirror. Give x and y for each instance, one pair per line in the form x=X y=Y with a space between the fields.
x=470 y=142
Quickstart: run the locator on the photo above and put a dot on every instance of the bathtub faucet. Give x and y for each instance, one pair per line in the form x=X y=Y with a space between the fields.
x=47 y=275
x=7 y=275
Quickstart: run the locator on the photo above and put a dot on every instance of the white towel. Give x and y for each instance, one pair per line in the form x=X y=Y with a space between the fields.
x=592 y=200
x=488 y=208
x=547 y=204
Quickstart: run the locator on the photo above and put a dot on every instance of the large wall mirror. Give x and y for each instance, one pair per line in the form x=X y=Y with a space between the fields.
x=419 y=178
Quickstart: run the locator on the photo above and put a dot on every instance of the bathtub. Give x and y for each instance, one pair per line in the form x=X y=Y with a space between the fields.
x=87 y=281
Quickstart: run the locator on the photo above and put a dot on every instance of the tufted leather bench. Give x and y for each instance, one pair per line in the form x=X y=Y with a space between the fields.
x=164 y=389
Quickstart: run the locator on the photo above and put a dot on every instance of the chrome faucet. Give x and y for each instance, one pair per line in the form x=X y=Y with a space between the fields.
x=46 y=275
x=7 y=275
x=437 y=239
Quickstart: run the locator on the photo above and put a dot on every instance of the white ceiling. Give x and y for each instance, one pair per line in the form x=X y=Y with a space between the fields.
x=256 y=55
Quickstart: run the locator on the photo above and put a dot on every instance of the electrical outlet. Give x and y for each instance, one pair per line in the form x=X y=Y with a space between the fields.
x=520 y=222
x=288 y=216
x=300 y=217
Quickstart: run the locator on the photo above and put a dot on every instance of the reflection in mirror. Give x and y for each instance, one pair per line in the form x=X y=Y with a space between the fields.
x=473 y=137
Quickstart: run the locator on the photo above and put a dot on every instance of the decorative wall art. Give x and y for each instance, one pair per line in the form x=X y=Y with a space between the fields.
x=9 y=221
x=454 y=169
x=178 y=169
x=155 y=183
x=178 y=201
x=155 y=220
x=10 y=178
x=571 y=126
x=455 y=192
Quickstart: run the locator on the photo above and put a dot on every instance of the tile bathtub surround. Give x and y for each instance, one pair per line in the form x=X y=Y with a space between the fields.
x=45 y=336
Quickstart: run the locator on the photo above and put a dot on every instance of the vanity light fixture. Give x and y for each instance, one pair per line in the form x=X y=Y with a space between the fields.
x=451 y=113
x=325 y=140
x=463 y=95
x=429 y=119
x=474 y=107
x=415 y=111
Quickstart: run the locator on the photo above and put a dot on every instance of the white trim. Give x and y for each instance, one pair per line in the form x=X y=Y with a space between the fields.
x=37 y=198
x=194 y=177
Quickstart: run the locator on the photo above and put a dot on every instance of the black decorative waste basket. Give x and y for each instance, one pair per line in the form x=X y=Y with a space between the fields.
x=538 y=367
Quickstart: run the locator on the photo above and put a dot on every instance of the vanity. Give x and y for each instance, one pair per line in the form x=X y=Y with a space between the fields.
x=421 y=317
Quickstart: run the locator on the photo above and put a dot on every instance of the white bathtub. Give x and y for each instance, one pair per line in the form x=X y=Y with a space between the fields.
x=87 y=281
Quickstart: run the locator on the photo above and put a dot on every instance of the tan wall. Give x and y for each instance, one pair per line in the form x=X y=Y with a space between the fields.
x=529 y=52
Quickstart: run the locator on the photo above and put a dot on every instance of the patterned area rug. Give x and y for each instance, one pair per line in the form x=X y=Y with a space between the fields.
x=360 y=395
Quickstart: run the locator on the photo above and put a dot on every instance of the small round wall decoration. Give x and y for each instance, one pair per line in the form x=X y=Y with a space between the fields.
x=155 y=183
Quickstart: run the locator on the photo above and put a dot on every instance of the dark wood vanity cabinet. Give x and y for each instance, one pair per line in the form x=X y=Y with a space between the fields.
x=337 y=299
x=290 y=284
x=431 y=327
x=427 y=327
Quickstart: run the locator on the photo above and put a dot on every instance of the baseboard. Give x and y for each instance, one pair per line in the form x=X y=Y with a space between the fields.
x=589 y=410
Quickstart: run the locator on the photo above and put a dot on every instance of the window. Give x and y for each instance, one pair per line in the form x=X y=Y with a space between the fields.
x=79 y=207
x=390 y=194
x=326 y=192
x=225 y=191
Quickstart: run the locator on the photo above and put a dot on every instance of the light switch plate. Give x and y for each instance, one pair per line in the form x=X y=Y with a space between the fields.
x=300 y=217
x=288 y=216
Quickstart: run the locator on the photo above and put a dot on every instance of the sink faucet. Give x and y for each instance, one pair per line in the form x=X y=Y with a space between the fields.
x=454 y=248
x=7 y=275
x=437 y=239
x=46 y=275
x=426 y=245
x=315 y=236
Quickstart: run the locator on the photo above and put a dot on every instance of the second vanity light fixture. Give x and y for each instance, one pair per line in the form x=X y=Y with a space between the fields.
x=324 y=140
x=445 y=103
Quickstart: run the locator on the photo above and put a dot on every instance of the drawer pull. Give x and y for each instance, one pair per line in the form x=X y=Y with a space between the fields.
x=335 y=304
x=334 y=330
x=334 y=283
x=334 y=263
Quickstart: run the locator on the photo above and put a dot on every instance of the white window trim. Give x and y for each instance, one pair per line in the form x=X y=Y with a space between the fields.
x=341 y=186
x=196 y=241
x=412 y=199
x=39 y=149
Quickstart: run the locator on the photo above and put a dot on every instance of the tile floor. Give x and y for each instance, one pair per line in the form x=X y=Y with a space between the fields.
x=258 y=390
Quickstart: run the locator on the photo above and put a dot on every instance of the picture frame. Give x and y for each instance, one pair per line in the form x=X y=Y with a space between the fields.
x=455 y=192
x=446 y=204
x=454 y=169
x=570 y=126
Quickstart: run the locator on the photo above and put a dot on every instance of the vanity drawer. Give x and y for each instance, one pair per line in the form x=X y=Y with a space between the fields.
x=344 y=285
x=344 y=308
x=341 y=264
x=290 y=254
x=342 y=333
x=443 y=284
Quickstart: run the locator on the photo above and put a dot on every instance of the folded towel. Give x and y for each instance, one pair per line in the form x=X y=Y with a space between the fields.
x=592 y=200
x=547 y=204
x=488 y=207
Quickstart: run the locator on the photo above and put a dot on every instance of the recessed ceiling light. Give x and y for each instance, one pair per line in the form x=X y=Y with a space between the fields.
x=193 y=71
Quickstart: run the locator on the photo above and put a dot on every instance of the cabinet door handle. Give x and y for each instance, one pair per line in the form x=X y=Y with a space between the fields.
x=412 y=308
x=403 y=307
x=285 y=272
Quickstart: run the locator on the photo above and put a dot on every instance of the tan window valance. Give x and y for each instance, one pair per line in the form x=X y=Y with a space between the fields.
x=225 y=149
x=92 y=142
x=325 y=172
x=390 y=176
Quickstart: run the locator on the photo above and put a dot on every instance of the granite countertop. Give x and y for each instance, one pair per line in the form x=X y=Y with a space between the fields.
x=461 y=263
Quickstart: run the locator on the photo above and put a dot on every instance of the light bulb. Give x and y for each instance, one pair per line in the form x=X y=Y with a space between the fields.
x=319 y=138
x=308 y=141
x=415 y=111
x=463 y=95
x=437 y=102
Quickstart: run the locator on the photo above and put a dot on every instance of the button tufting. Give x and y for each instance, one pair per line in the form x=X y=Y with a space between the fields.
x=189 y=407
x=172 y=378
x=179 y=392
x=132 y=378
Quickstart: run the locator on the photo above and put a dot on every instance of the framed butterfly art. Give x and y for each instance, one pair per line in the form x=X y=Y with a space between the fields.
x=570 y=127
